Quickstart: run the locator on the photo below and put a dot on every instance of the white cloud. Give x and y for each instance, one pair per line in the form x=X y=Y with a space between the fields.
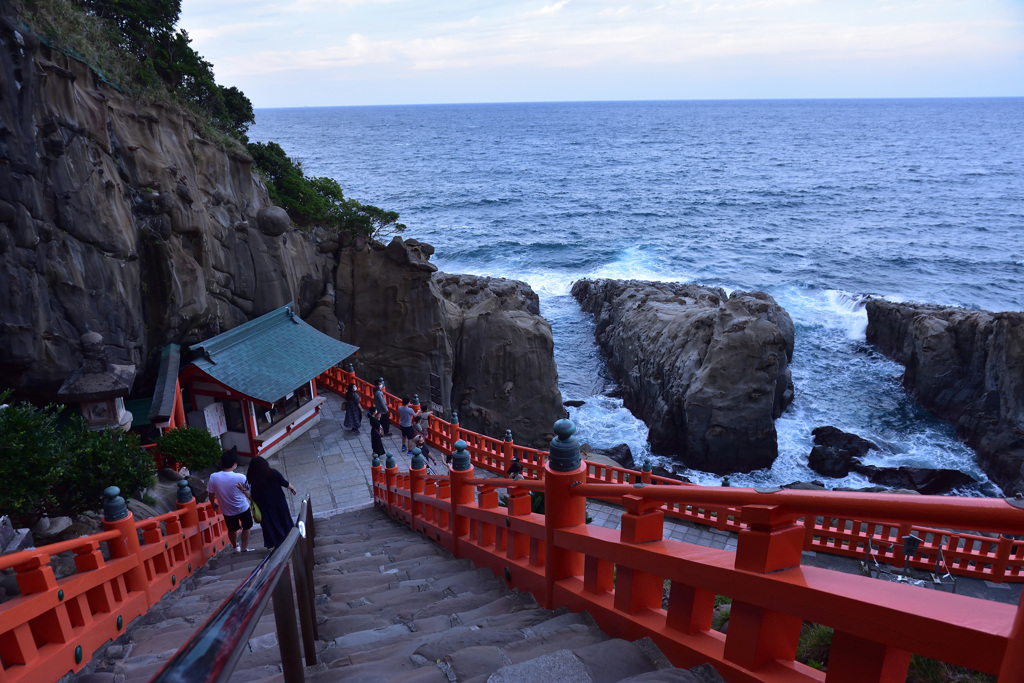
x=550 y=9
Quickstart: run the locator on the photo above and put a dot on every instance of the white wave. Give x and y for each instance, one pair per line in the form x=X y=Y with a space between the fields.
x=633 y=263
x=604 y=422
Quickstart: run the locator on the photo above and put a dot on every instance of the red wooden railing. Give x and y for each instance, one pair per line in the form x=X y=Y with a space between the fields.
x=635 y=583
x=55 y=625
x=996 y=558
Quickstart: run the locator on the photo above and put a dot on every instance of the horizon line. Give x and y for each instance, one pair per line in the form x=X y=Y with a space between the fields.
x=633 y=101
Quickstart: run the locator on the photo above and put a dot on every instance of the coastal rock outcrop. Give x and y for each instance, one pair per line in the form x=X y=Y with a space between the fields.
x=967 y=367
x=483 y=339
x=708 y=373
x=120 y=216
x=837 y=453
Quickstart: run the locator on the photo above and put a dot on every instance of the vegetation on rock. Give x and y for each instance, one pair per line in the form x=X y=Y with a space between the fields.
x=52 y=467
x=135 y=46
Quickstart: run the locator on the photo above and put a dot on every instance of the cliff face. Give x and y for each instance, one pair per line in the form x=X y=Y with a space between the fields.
x=966 y=367
x=707 y=373
x=120 y=217
x=483 y=338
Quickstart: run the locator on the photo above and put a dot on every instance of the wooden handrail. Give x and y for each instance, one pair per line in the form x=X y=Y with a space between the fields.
x=636 y=584
x=214 y=649
x=851 y=534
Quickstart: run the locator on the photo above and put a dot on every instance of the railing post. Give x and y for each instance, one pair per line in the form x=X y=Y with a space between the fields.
x=303 y=588
x=462 y=493
x=390 y=480
x=642 y=522
x=772 y=541
x=417 y=483
x=117 y=517
x=1013 y=660
x=287 y=630
x=561 y=508
x=190 y=519
x=508 y=446
x=377 y=475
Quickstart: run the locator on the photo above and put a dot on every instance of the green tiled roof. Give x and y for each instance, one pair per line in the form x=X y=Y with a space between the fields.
x=270 y=356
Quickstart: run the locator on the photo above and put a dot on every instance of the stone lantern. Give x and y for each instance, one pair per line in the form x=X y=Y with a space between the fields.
x=99 y=387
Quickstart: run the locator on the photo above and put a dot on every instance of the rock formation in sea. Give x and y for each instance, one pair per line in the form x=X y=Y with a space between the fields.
x=708 y=373
x=837 y=453
x=121 y=216
x=483 y=338
x=967 y=367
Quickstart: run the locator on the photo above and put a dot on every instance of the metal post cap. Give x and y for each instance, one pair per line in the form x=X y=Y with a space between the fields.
x=455 y=418
x=390 y=462
x=417 y=459
x=114 y=507
x=351 y=367
x=508 y=435
x=184 y=491
x=376 y=460
x=416 y=399
x=565 y=450
x=460 y=458
x=647 y=466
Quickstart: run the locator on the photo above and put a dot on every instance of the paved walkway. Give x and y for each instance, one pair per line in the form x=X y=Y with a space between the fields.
x=333 y=465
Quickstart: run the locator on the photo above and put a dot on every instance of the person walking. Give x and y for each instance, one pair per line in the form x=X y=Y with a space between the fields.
x=226 y=496
x=376 y=432
x=405 y=416
x=380 y=401
x=515 y=470
x=353 y=409
x=266 y=487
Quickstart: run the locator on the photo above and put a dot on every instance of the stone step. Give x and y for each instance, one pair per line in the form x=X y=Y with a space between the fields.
x=391 y=606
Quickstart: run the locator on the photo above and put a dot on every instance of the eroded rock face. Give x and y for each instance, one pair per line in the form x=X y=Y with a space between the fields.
x=119 y=217
x=482 y=337
x=708 y=373
x=966 y=367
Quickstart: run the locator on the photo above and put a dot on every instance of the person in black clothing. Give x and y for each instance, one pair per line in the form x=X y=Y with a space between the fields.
x=266 y=487
x=353 y=409
x=376 y=432
x=380 y=402
x=515 y=470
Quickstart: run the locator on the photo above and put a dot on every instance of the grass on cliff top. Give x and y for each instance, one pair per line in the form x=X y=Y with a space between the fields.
x=65 y=26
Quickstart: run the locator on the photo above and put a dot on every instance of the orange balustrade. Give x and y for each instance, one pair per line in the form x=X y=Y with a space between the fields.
x=996 y=559
x=55 y=625
x=637 y=584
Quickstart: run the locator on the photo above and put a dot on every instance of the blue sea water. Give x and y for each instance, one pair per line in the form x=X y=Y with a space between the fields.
x=815 y=202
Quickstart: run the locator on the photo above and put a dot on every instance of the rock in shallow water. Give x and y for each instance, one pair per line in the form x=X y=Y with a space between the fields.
x=708 y=373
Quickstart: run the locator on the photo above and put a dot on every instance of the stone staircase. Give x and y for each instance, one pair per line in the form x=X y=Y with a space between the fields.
x=392 y=606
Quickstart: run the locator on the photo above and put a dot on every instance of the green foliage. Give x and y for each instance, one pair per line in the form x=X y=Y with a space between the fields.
x=97 y=460
x=925 y=670
x=815 y=643
x=317 y=200
x=190 y=446
x=47 y=468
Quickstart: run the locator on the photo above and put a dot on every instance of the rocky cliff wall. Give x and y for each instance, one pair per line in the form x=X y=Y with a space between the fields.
x=482 y=337
x=708 y=373
x=966 y=367
x=120 y=217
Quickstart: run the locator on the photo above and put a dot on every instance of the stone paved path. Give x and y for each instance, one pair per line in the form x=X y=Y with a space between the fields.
x=333 y=465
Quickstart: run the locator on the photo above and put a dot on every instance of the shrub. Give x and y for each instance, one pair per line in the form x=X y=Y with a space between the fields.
x=52 y=469
x=190 y=446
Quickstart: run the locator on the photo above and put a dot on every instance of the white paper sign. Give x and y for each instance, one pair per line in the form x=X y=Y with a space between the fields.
x=216 y=423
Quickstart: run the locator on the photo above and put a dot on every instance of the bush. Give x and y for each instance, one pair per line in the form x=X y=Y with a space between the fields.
x=50 y=469
x=190 y=446
x=318 y=200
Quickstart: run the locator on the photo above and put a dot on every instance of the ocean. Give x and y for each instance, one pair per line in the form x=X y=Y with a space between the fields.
x=818 y=203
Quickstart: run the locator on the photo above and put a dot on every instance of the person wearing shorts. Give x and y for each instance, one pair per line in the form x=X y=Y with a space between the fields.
x=225 y=489
x=405 y=416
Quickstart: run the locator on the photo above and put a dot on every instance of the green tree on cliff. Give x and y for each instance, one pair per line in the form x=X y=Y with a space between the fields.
x=318 y=200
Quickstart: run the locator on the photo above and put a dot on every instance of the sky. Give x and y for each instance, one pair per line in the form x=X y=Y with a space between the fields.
x=297 y=53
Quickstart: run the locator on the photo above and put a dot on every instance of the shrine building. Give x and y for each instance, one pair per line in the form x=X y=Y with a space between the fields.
x=254 y=386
